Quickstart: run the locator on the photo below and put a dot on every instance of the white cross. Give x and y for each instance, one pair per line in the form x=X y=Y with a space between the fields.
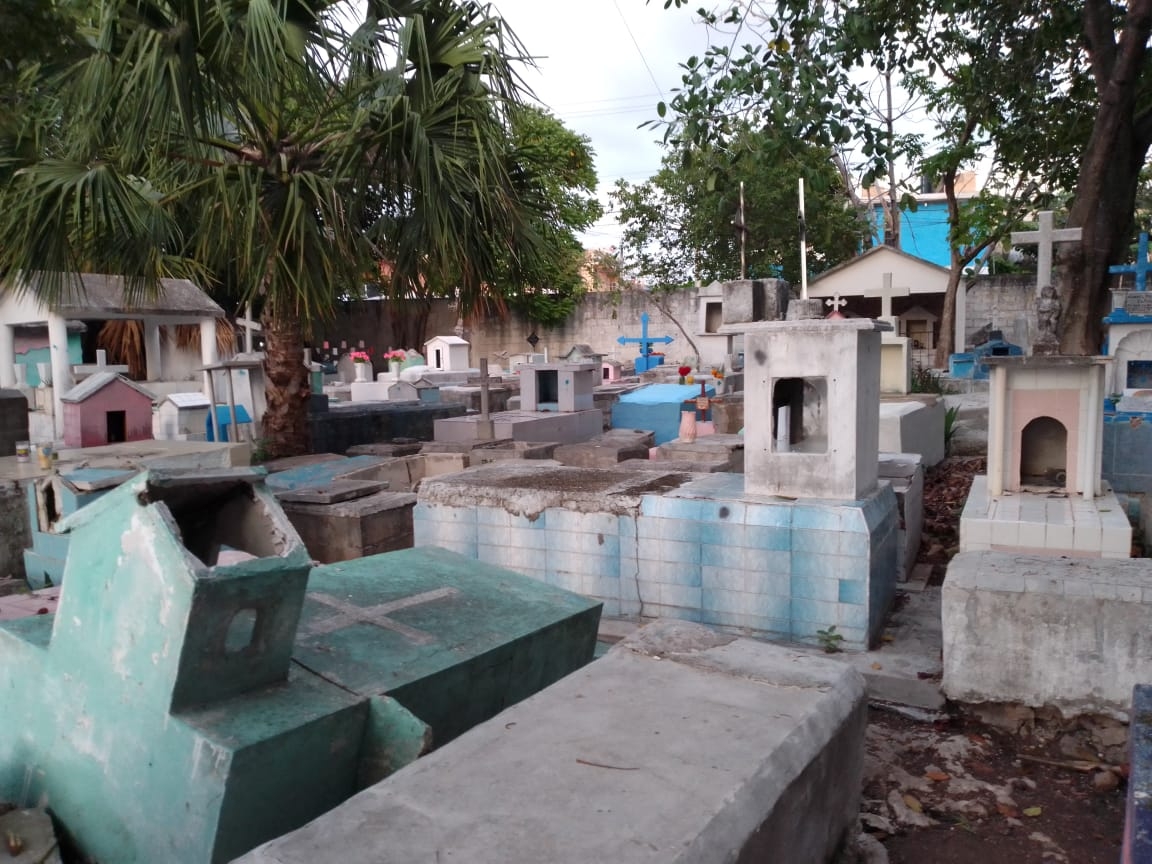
x=886 y=292
x=1045 y=238
x=835 y=301
x=249 y=326
x=350 y=614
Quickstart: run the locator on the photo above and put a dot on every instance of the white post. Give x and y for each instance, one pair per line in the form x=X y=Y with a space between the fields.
x=803 y=247
x=1091 y=449
x=7 y=356
x=783 y=429
x=152 y=350
x=61 y=369
x=998 y=422
x=208 y=353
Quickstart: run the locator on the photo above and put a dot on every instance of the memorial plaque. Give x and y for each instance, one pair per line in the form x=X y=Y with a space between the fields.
x=1138 y=303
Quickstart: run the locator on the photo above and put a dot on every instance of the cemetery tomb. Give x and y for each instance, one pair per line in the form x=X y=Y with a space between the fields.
x=557 y=386
x=816 y=435
x=610 y=370
x=183 y=417
x=913 y=424
x=198 y=693
x=1043 y=491
x=447 y=353
x=106 y=408
x=657 y=408
x=759 y=757
x=648 y=359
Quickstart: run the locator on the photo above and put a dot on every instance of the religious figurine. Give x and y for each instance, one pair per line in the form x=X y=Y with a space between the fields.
x=1048 y=311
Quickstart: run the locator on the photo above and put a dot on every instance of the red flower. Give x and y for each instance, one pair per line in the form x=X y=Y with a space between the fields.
x=684 y=370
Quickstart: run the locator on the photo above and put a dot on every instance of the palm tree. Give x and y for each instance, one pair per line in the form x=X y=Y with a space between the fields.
x=282 y=144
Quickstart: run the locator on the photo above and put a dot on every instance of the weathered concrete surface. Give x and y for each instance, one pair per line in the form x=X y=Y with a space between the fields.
x=16 y=535
x=1138 y=819
x=693 y=466
x=680 y=745
x=707 y=448
x=33 y=831
x=599 y=453
x=905 y=473
x=1067 y=633
x=913 y=425
x=341 y=531
x=728 y=413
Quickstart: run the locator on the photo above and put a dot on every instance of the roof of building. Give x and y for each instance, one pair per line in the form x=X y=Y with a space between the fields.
x=447 y=340
x=97 y=382
x=92 y=294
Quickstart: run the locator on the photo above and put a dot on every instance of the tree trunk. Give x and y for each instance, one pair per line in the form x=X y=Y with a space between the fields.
x=1105 y=198
x=1109 y=172
x=286 y=431
x=945 y=345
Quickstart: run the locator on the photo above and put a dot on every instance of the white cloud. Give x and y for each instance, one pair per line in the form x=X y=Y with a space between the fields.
x=602 y=66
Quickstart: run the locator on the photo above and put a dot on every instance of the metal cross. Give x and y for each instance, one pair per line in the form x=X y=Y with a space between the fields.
x=643 y=339
x=1141 y=267
x=350 y=614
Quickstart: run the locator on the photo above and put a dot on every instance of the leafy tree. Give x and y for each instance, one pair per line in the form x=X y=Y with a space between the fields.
x=553 y=167
x=305 y=149
x=680 y=224
x=1060 y=89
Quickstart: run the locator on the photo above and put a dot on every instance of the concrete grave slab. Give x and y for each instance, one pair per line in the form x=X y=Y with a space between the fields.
x=688 y=466
x=679 y=745
x=350 y=527
x=1074 y=631
x=33 y=830
x=656 y=408
x=386 y=449
x=904 y=472
x=599 y=453
x=913 y=426
x=730 y=448
x=568 y=427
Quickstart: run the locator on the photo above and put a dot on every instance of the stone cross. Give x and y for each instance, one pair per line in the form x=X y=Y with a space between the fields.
x=645 y=341
x=350 y=614
x=886 y=292
x=1045 y=238
x=249 y=326
x=1141 y=267
x=836 y=301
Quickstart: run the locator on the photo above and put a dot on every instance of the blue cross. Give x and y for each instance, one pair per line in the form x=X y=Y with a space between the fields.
x=1141 y=267
x=644 y=339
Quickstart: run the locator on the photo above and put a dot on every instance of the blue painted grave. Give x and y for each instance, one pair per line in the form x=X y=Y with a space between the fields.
x=971 y=365
x=1142 y=265
x=656 y=408
x=647 y=360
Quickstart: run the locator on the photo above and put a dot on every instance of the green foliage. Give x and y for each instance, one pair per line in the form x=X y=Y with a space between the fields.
x=830 y=640
x=927 y=380
x=950 y=416
x=679 y=225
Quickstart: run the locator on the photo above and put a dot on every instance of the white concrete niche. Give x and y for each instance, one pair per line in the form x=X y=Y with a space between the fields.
x=819 y=382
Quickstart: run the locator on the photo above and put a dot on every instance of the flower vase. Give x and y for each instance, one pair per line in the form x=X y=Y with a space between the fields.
x=394 y=369
x=688 y=426
x=363 y=371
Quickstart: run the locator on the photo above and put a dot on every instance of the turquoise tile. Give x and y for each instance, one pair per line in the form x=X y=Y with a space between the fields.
x=679 y=573
x=729 y=601
x=722 y=534
x=722 y=556
x=769 y=584
x=815 y=588
x=497 y=516
x=768 y=561
x=678 y=552
x=851 y=615
x=723 y=578
x=855 y=544
x=853 y=591
x=809 y=566
x=528 y=539
x=570 y=541
x=626 y=526
x=769 y=515
x=816 y=517
x=724 y=512
x=768 y=538
x=811 y=611
x=682 y=596
x=817 y=541
x=775 y=608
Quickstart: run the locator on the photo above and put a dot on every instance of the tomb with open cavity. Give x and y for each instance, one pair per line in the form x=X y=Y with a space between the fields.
x=1043 y=490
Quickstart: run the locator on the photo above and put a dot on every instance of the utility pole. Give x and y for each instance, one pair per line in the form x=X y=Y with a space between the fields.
x=742 y=230
x=892 y=235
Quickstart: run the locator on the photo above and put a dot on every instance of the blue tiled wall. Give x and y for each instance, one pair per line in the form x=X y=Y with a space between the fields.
x=781 y=569
x=1127 y=452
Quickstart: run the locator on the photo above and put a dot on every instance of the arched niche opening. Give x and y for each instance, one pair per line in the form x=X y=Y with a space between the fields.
x=1044 y=453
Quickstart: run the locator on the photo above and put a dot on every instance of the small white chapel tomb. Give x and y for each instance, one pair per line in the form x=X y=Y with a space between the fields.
x=446 y=353
x=561 y=387
x=182 y=417
x=1043 y=491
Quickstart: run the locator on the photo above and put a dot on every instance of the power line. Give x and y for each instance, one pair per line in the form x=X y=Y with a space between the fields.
x=639 y=51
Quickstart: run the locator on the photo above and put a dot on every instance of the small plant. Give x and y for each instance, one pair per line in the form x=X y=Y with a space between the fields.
x=259 y=451
x=950 y=416
x=830 y=640
x=926 y=380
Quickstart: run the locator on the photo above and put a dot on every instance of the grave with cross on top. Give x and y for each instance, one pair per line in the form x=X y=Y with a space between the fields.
x=646 y=360
x=1141 y=267
x=836 y=302
x=1045 y=237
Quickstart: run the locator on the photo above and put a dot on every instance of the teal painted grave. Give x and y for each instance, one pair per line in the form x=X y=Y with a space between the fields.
x=190 y=700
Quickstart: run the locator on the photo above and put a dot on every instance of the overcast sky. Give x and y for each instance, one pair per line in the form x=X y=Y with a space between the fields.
x=602 y=67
